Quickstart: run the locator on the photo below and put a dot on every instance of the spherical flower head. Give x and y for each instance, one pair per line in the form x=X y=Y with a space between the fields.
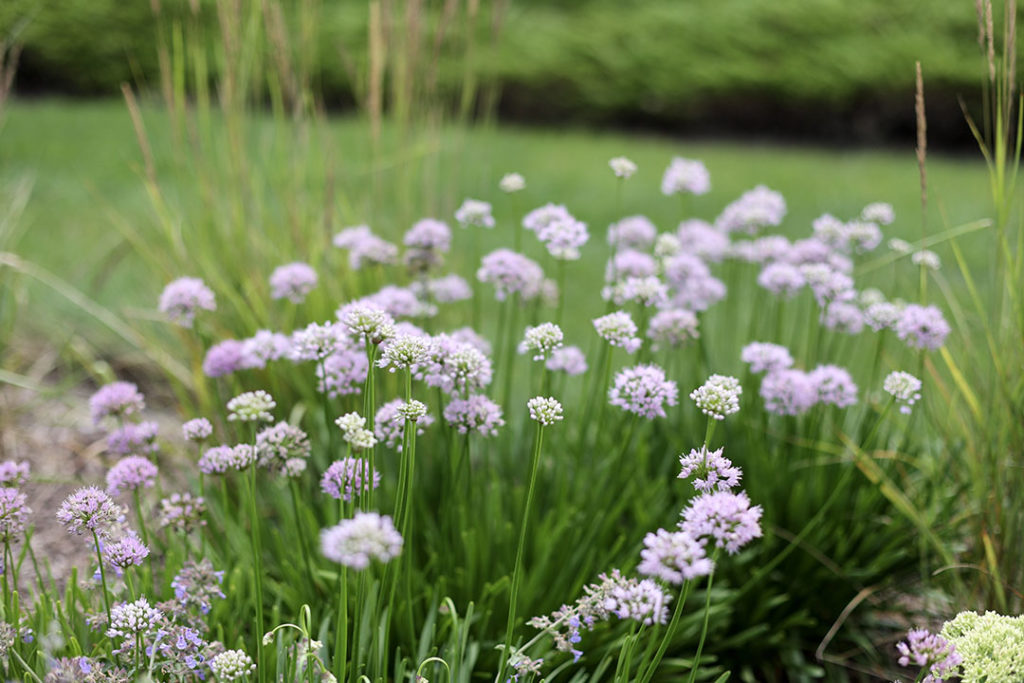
x=13 y=473
x=197 y=430
x=702 y=240
x=643 y=601
x=831 y=231
x=392 y=417
x=251 y=406
x=545 y=410
x=782 y=279
x=182 y=298
x=725 y=517
x=878 y=212
x=632 y=232
x=863 y=236
x=718 y=396
x=622 y=167
x=283 y=448
x=405 y=352
x=788 y=392
x=826 y=283
x=224 y=358
x=292 y=281
x=317 y=341
x=474 y=212
x=365 y=247
x=922 y=327
x=356 y=542
x=932 y=653
x=685 y=176
x=511 y=273
x=449 y=289
x=429 y=233
x=755 y=209
x=347 y=478
x=474 y=414
x=712 y=471
x=766 y=357
x=567 y=359
x=843 y=316
x=117 y=399
x=183 y=512
x=900 y=246
x=882 y=315
x=130 y=474
x=683 y=269
x=511 y=182
x=904 y=388
x=835 y=385
x=127 y=551
x=673 y=557
x=647 y=291
x=699 y=294
x=350 y=422
x=222 y=459
x=342 y=373
x=546 y=215
x=672 y=328
x=644 y=391
x=232 y=665
x=133 y=439
x=353 y=427
x=564 y=237
x=413 y=411
x=14 y=513
x=365 y=320
x=618 y=329
x=630 y=263
x=130 y=619
x=88 y=509
x=541 y=341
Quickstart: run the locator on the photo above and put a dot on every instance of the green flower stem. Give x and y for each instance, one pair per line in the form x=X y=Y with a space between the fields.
x=341 y=629
x=257 y=558
x=103 y=576
x=710 y=431
x=652 y=665
x=518 y=567
x=561 y=291
x=300 y=531
x=325 y=405
x=369 y=407
x=136 y=499
x=707 y=618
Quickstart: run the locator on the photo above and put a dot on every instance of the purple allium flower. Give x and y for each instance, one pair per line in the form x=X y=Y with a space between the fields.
x=367 y=321
x=467 y=335
x=632 y=232
x=622 y=167
x=292 y=281
x=127 y=551
x=724 y=516
x=117 y=399
x=878 y=212
x=783 y=279
x=232 y=665
x=766 y=357
x=672 y=328
x=400 y=302
x=563 y=238
x=197 y=585
x=844 y=317
x=718 y=396
x=13 y=473
x=835 y=386
x=182 y=298
x=542 y=217
x=684 y=268
x=755 y=209
x=389 y=425
x=618 y=329
x=863 y=235
x=788 y=392
x=630 y=263
x=251 y=406
x=931 y=652
x=429 y=233
x=317 y=341
x=131 y=619
x=701 y=239
x=365 y=247
x=14 y=512
x=283 y=448
x=568 y=359
x=673 y=557
x=130 y=474
x=474 y=414
x=182 y=512
x=545 y=410
x=643 y=601
x=904 y=388
x=699 y=294
x=685 y=176
x=449 y=289
x=355 y=542
x=808 y=251
x=346 y=477
x=511 y=273
x=133 y=439
x=826 y=283
x=457 y=366
x=224 y=358
x=714 y=472
x=263 y=347
x=922 y=327
x=882 y=315
x=474 y=212
x=762 y=250
x=511 y=182
x=541 y=341
x=88 y=509
x=643 y=390
x=831 y=231
x=222 y=459
x=343 y=373
x=197 y=430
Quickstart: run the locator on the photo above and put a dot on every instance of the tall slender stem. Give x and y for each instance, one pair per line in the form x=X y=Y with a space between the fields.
x=257 y=560
x=103 y=575
x=707 y=617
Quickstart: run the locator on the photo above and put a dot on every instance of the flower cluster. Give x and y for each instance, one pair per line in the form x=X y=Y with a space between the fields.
x=356 y=542
x=643 y=390
x=718 y=396
x=292 y=281
x=904 y=388
x=542 y=340
x=183 y=298
x=347 y=478
x=929 y=652
x=545 y=410
x=251 y=406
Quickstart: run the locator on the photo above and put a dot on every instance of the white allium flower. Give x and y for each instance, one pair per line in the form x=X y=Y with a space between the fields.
x=900 y=246
x=618 y=329
x=360 y=439
x=406 y=351
x=926 y=258
x=882 y=315
x=512 y=182
x=413 y=410
x=130 y=619
x=316 y=341
x=878 y=212
x=362 y=319
x=541 y=340
x=544 y=410
x=622 y=167
x=905 y=388
x=350 y=421
x=251 y=406
x=356 y=542
x=667 y=244
x=232 y=665
x=685 y=175
x=475 y=212
x=718 y=396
